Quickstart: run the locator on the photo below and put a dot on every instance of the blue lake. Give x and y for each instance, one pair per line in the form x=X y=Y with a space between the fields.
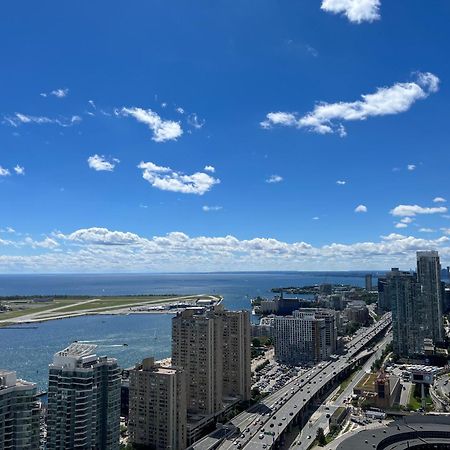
x=29 y=351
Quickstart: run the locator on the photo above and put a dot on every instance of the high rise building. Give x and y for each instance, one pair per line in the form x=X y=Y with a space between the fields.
x=403 y=293
x=157 y=415
x=83 y=400
x=309 y=335
x=429 y=277
x=383 y=298
x=368 y=281
x=212 y=345
x=197 y=348
x=19 y=413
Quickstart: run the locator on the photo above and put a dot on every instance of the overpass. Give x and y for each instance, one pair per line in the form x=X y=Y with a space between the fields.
x=264 y=425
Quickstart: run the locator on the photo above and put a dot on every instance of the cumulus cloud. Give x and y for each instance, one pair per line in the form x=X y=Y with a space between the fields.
x=211 y=208
x=101 y=236
x=19 y=170
x=101 y=163
x=59 y=93
x=341 y=182
x=166 y=179
x=439 y=200
x=4 y=172
x=426 y=230
x=361 y=209
x=209 y=169
x=274 y=179
x=411 y=167
x=329 y=117
x=413 y=210
x=401 y=225
x=103 y=250
x=179 y=110
x=406 y=220
x=47 y=243
x=356 y=11
x=162 y=130
x=18 y=119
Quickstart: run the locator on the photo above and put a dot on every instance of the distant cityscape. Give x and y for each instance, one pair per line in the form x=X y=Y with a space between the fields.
x=314 y=366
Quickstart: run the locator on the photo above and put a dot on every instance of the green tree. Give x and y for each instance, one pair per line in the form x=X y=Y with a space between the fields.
x=321 y=437
x=256 y=342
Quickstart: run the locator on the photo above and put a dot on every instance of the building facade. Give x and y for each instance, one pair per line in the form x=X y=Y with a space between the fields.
x=83 y=400
x=429 y=277
x=405 y=300
x=212 y=345
x=157 y=414
x=308 y=336
x=19 y=413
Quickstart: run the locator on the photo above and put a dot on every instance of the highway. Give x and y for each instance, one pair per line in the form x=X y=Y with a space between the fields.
x=262 y=424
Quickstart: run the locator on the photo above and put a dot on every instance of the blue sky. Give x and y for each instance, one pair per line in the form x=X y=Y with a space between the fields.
x=143 y=136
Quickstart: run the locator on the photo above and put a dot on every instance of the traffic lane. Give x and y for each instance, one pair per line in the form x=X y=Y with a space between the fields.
x=339 y=365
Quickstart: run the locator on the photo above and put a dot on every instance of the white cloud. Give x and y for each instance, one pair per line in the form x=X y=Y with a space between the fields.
x=411 y=167
x=20 y=119
x=194 y=121
x=316 y=218
x=426 y=230
x=211 y=169
x=19 y=170
x=59 y=93
x=401 y=225
x=361 y=209
x=412 y=210
x=356 y=11
x=101 y=236
x=406 y=220
x=211 y=208
x=279 y=118
x=274 y=179
x=179 y=110
x=166 y=179
x=163 y=130
x=4 y=172
x=7 y=230
x=341 y=182
x=102 y=250
x=328 y=117
x=439 y=200
x=92 y=103
x=47 y=243
x=101 y=163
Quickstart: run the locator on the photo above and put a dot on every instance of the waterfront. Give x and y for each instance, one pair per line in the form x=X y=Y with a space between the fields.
x=30 y=350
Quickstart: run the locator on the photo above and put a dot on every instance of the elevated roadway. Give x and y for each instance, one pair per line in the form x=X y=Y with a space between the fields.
x=263 y=425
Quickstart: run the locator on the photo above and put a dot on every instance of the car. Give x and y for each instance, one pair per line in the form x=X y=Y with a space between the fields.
x=264 y=446
x=308 y=437
x=261 y=436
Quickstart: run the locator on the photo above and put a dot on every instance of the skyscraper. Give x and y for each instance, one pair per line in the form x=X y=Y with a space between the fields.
x=83 y=400
x=403 y=293
x=157 y=416
x=19 y=413
x=212 y=345
x=368 y=281
x=383 y=298
x=429 y=277
x=197 y=348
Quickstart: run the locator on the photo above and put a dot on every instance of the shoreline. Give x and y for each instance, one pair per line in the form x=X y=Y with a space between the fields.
x=166 y=305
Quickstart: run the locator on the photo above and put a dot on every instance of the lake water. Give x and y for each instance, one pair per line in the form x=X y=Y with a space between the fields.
x=29 y=351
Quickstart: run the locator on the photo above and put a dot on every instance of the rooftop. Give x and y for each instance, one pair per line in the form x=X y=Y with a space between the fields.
x=78 y=349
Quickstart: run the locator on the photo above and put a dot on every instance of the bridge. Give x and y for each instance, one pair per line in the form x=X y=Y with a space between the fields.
x=264 y=425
